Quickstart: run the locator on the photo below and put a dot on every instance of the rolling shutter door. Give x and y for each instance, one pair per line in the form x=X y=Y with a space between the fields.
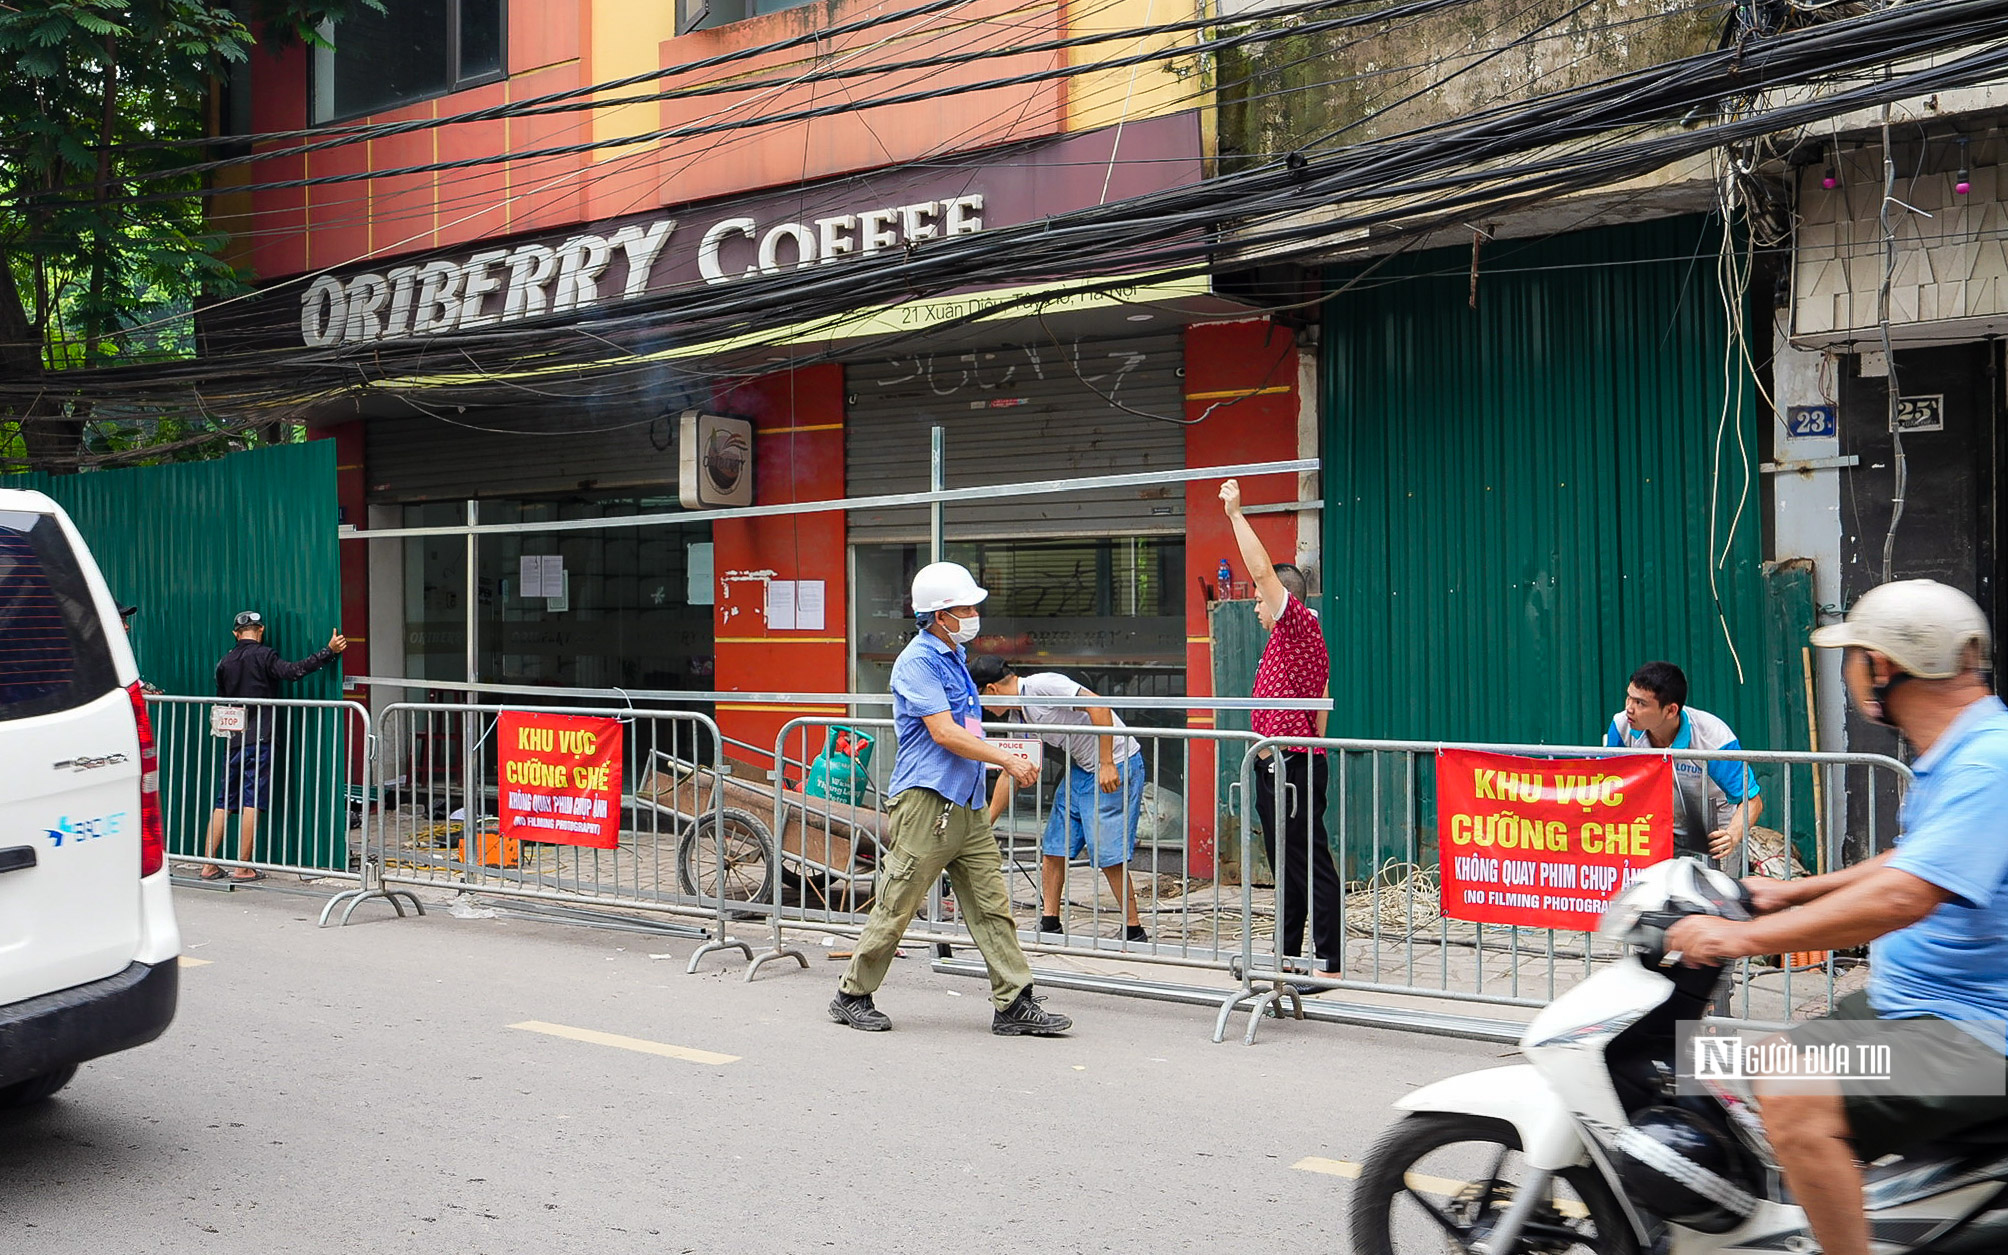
x=1024 y=412
x=516 y=453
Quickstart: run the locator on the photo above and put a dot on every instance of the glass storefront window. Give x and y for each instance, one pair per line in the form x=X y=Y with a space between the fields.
x=621 y=616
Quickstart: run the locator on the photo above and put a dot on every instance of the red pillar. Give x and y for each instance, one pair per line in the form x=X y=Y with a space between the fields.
x=798 y=419
x=1241 y=384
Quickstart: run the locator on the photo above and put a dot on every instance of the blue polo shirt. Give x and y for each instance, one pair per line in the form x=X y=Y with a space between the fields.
x=928 y=678
x=1953 y=963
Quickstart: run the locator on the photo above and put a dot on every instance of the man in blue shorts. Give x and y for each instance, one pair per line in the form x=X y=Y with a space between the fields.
x=1933 y=911
x=253 y=669
x=1098 y=807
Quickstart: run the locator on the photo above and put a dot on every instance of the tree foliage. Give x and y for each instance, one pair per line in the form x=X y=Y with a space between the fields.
x=97 y=266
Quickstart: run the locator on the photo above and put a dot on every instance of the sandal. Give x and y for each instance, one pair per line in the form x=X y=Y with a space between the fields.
x=246 y=878
x=210 y=871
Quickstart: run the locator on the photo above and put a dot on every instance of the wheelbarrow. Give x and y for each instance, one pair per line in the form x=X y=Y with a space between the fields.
x=726 y=843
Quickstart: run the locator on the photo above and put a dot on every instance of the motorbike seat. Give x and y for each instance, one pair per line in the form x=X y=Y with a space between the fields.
x=1990 y=1134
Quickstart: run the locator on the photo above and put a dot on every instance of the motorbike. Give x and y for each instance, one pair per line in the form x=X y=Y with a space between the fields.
x=1592 y=1146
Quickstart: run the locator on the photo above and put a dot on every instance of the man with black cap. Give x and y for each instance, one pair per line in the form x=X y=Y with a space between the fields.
x=253 y=669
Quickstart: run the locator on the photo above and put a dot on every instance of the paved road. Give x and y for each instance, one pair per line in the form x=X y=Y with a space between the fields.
x=372 y=1089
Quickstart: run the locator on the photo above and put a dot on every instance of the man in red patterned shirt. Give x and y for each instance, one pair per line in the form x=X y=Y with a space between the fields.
x=1290 y=783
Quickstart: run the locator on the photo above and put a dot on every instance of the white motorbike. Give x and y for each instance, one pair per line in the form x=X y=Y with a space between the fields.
x=1589 y=1146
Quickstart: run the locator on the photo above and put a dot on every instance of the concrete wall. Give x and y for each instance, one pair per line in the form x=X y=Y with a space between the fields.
x=1283 y=95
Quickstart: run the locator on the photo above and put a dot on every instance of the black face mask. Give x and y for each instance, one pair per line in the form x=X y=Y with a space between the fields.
x=1882 y=692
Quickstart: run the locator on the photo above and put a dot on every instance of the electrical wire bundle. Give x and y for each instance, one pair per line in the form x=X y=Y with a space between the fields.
x=1404 y=185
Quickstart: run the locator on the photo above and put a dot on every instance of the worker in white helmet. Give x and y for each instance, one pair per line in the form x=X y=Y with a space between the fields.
x=938 y=818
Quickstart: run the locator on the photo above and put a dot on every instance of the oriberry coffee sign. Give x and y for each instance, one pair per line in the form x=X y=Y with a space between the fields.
x=838 y=222
x=498 y=285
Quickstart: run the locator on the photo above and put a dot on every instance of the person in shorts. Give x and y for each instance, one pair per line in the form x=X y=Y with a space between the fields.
x=1097 y=809
x=253 y=669
x=1933 y=911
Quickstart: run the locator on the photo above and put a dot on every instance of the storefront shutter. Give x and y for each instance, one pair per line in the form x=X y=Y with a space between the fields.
x=1018 y=413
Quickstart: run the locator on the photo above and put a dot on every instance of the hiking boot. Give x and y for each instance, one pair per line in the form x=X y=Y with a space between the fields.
x=1026 y=1018
x=857 y=1011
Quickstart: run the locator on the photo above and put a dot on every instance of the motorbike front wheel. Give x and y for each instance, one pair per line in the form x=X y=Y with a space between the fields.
x=1439 y=1182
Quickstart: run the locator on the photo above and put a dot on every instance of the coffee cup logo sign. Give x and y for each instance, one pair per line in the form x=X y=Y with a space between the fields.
x=500 y=285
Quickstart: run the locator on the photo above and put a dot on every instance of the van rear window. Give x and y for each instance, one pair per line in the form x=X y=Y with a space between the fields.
x=53 y=654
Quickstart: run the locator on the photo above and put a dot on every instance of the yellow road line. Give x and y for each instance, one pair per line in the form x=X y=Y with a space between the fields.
x=635 y=1044
x=188 y=962
x=1443 y=1186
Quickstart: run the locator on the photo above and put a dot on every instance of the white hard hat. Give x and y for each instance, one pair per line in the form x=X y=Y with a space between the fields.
x=939 y=585
x=1923 y=626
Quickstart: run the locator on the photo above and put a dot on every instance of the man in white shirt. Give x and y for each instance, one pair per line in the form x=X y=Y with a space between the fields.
x=1096 y=810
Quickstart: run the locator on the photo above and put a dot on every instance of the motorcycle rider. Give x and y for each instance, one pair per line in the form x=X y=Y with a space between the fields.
x=1934 y=910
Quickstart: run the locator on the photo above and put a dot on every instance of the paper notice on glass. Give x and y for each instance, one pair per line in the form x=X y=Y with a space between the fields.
x=554 y=574
x=530 y=576
x=809 y=605
x=780 y=605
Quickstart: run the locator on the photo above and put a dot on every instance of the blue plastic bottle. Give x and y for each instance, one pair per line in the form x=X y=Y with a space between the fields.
x=1226 y=578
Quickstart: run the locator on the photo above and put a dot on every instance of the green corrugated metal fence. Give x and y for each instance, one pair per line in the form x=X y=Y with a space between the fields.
x=193 y=543
x=1526 y=500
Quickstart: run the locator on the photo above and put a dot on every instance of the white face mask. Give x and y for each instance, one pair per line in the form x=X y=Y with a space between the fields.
x=968 y=629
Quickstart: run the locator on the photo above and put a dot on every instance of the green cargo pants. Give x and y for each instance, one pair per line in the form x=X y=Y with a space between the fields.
x=930 y=835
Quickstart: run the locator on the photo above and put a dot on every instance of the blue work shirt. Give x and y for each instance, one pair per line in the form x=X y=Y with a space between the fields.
x=1953 y=963
x=930 y=677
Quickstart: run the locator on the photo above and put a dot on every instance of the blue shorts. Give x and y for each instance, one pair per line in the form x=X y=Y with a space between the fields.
x=247 y=778
x=1084 y=817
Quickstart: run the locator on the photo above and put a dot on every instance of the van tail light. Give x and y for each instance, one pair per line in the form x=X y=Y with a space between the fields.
x=152 y=838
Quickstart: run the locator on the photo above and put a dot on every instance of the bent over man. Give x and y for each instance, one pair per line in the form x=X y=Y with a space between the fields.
x=938 y=821
x=1097 y=809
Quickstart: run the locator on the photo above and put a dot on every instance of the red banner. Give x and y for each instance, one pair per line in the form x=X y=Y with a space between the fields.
x=1545 y=842
x=561 y=778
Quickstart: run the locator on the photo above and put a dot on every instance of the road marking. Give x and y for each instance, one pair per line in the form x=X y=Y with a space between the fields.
x=188 y=962
x=1442 y=1186
x=636 y=1044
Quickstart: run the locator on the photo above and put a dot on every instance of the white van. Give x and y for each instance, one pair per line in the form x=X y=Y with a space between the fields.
x=88 y=943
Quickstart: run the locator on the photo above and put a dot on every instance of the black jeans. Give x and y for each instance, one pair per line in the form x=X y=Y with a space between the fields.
x=1307 y=853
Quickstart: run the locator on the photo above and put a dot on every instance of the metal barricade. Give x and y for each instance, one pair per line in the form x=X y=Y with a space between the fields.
x=261 y=785
x=823 y=849
x=675 y=839
x=1824 y=811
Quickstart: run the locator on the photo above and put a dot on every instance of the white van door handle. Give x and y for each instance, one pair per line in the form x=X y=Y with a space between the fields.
x=17 y=858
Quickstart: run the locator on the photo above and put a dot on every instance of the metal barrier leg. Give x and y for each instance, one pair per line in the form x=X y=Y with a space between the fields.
x=370 y=865
x=728 y=943
x=371 y=887
x=768 y=956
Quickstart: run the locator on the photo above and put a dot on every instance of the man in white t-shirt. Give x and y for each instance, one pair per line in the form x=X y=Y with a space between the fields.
x=1097 y=808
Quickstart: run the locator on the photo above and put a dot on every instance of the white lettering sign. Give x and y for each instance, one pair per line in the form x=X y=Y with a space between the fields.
x=498 y=285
